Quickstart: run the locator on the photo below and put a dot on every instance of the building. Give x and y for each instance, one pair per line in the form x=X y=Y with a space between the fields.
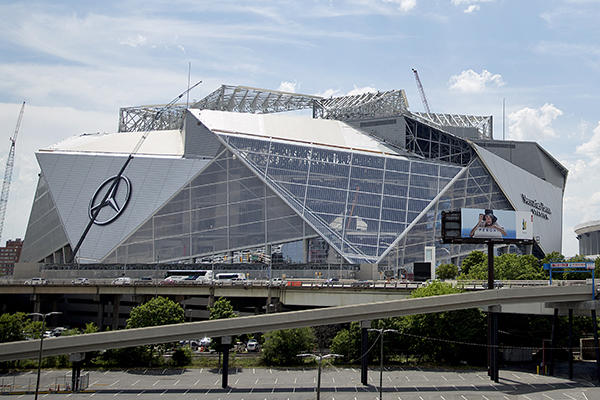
x=362 y=181
x=9 y=256
x=588 y=234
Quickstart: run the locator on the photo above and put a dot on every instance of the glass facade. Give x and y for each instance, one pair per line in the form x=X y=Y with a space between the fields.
x=226 y=207
x=474 y=189
x=369 y=207
x=359 y=202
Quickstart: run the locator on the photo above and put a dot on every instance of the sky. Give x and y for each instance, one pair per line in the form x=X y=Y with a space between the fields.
x=75 y=63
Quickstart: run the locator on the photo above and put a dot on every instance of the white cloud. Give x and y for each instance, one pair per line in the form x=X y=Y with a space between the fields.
x=133 y=42
x=578 y=170
x=330 y=93
x=472 y=5
x=363 y=90
x=403 y=5
x=289 y=87
x=591 y=148
x=472 y=82
x=533 y=124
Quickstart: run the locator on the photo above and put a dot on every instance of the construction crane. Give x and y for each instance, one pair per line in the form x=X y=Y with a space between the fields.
x=10 y=163
x=421 y=92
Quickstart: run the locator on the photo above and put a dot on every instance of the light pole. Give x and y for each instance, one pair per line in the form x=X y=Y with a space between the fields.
x=319 y=358
x=37 y=385
x=381 y=332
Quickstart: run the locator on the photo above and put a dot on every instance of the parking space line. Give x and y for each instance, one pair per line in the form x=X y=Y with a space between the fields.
x=140 y=393
x=178 y=380
x=196 y=382
x=135 y=383
x=154 y=384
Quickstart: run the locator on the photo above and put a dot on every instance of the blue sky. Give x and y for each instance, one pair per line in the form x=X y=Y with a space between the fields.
x=76 y=63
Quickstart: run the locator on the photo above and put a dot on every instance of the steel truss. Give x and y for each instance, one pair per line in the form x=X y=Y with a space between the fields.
x=261 y=101
x=366 y=105
x=482 y=123
x=245 y=99
x=435 y=144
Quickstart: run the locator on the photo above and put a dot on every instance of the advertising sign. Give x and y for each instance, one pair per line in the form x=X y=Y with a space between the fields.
x=480 y=223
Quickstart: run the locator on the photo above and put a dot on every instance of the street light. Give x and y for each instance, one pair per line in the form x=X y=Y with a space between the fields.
x=319 y=358
x=37 y=385
x=381 y=332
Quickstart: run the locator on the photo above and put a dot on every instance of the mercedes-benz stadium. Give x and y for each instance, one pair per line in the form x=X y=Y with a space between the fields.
x=361 y=180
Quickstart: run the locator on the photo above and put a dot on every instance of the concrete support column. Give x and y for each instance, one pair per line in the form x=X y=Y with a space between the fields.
x=115 y=316
x=364 y=348
x=211 y=297
x=229 y=257
x=100 y=318
x=305 y=247
x=37 y=305
x=226 y=344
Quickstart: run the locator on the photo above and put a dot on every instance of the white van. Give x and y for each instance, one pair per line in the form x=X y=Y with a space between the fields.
x=123 y=280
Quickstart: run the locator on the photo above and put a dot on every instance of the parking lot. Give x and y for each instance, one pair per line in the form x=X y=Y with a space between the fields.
x=336 y=384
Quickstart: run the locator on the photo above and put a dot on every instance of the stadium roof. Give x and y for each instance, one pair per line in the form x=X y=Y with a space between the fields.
x=293 y=128
x=157 y=143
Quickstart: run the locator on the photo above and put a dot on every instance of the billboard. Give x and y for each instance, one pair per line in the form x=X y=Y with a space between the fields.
x=480 y=223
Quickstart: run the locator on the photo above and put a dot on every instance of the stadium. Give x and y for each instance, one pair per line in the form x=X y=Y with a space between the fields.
x=285 y=178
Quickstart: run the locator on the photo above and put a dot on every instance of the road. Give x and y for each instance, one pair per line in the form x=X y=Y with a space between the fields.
x=300 y=384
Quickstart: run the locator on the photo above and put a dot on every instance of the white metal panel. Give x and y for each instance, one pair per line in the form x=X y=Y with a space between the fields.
x=516 y=182
x=308 y=130
x=75 y=178
x=156 y=143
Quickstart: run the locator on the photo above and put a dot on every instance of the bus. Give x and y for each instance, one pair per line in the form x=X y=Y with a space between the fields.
x=203 y=276
x=230 y=277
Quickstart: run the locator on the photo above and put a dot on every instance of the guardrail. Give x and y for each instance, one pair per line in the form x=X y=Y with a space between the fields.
x=305 y=283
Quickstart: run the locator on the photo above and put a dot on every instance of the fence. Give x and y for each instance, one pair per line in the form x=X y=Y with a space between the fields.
x=25 y=383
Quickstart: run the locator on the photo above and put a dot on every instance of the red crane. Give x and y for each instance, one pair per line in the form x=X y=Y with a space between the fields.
x=8 y=171
x=421 y=92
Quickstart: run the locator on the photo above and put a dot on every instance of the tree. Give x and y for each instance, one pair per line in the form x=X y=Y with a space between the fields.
x=157 y=311
x=515 y=267
x=474 y=258
x=14 y=326
x=434 y=335
x=222 y=309
x=446 y=271
x=281 y=347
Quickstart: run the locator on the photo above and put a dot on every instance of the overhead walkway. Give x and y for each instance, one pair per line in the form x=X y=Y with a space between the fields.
x=288 y=320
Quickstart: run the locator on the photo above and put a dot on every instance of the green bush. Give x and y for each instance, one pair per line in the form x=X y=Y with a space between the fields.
x=182 y=357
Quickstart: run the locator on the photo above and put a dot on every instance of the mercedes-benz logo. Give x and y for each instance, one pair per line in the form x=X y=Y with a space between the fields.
x=114 y=204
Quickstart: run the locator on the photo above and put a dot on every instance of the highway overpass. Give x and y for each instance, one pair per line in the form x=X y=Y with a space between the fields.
x=269 y=322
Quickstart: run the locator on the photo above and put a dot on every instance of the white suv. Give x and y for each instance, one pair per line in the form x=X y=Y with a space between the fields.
x=122 y=281
x=36 y=281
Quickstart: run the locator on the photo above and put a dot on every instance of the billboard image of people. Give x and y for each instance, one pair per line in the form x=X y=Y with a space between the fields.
x=496 y=224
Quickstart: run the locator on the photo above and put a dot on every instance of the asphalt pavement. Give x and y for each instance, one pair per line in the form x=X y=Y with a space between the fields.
x=301 y=384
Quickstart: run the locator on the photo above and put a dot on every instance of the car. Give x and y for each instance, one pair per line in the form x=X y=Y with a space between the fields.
x=80 y=281
x=123 y=280
x=174 y=279
x=361 y=283
x=205 y=342
x=277 y=282
x=58 y=331
x=36 y=281
x=252 y=345
x=144 y=280
x=497 y=285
